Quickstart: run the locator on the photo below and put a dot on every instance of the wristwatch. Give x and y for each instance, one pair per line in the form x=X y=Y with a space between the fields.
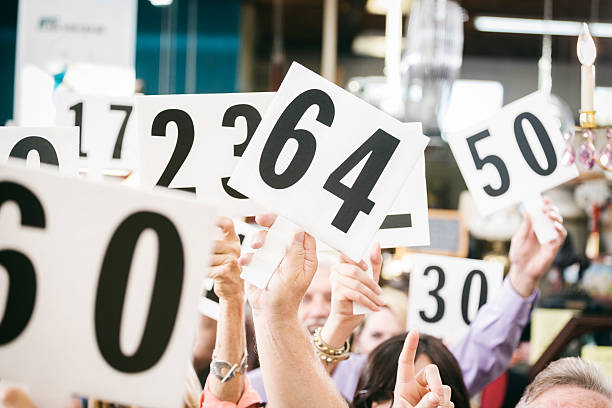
x=224 y=370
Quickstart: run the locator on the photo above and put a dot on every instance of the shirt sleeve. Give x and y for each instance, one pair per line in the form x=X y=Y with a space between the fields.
x=249 y=398
x=484 y=352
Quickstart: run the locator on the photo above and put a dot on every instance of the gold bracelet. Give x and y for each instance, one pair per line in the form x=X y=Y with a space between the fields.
x=327 y=353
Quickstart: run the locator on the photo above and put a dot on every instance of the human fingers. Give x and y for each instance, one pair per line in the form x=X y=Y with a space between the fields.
x=245 y=259
x=265 y=220
x=361 y=264
x=429 y=378
x=224 y=269
x=446 y=401
x=405 y=366
x=357 y=275
x=553 y=214
x=343 y=292
x=429 y=400
x=376 y=261
x=349 y=282
x=226 y=225
x=258 y=239
x=224 y=247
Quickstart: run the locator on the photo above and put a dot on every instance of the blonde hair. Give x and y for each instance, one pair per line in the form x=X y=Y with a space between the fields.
x=572 y=371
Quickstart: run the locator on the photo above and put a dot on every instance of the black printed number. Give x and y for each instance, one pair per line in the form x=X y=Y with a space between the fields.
x=78 y=121
x=21 y=275
x=496 y=161
x=252 y=117
x=543 y=138
x=525 y=148
x=284 y=130
x=434 y=293
x=380 y=147
x=184 y=142
x=119 y=141
x=112 y=287
x=45 y=149
x=465 y=294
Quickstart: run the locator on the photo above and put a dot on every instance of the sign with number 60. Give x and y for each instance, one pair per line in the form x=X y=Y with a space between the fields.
x=80 y=279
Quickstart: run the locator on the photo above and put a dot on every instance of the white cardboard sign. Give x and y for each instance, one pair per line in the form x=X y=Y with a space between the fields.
x=106 y=123
x=446 y=293
x=513 y=155
x=55 y=146
x=407 y=223
x=71 y=38
x=328 y=161
x=103 y=288
x=194 y=142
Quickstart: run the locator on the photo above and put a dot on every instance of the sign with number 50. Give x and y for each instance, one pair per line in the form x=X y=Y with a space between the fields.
x=514 y=155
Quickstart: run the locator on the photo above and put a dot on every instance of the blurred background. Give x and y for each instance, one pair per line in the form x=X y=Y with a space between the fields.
x=445 y=63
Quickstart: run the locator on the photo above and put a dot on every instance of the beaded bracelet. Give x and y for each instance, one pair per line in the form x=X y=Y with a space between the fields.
x=327 y=353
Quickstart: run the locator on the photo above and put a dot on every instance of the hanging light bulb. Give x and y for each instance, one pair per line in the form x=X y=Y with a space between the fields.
x=586 y=46
x=586 y=54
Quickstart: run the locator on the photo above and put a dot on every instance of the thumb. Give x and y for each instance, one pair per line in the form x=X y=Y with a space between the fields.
x=302 y=254
x=310 y=251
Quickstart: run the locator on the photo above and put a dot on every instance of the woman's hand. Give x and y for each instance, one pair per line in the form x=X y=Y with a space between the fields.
x=224 y=268
x=423 y=389
x=351 y=283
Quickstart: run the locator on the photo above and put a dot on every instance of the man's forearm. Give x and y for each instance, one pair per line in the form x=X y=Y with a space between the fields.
x=230 y=347
x=292 y=374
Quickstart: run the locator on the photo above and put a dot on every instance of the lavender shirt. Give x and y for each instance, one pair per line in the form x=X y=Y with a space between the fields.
x=483 y=353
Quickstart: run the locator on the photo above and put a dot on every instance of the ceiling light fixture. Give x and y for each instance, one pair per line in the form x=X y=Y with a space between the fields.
x=161 y=3
x=539 y=27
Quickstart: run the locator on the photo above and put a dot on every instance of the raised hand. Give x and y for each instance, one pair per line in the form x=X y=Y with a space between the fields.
x=351 y=283
x=224 y=267
x=290 y=279
x=423 y=389
x=529 y=259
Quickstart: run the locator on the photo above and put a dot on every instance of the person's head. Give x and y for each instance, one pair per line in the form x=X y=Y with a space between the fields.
x=316 y=304
x=380 y=326
x=568 y=382
x=377 y=379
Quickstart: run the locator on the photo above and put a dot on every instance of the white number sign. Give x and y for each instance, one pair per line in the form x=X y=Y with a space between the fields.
x=514 y=155
x=106 y=123
x=55 y=146
x=407 y=223
x=88 y=310
x=193 y=142
x=328 y=161
x=446 y=293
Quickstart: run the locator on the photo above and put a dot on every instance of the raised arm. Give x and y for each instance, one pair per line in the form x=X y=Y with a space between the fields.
x=484 y=352
x=351 y=283
x=226 y=380
x=292 y=375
